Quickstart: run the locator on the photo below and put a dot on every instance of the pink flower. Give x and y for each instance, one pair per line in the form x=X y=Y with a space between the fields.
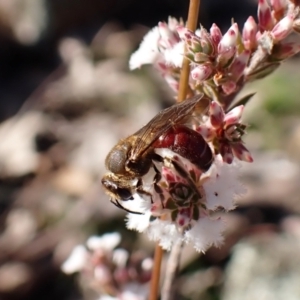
x=225 y=132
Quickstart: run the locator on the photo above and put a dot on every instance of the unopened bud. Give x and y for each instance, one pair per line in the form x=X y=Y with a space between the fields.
x=284 y=51
x=216 y=114
x=234 y=115
x=200 y=57
x=278 y=7
x=239 y=64
x=229 y=40
x=225 y=58
x=184 y=33
x=283 y=28
x=229 y=87
x=226 y=153
x=216 y=34
x=241 y=152
x=265 y=19
x=249 y=34
x=202 y=72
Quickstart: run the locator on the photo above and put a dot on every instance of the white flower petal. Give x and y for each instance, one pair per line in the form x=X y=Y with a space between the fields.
x=120 y=257
x=223 y=185
x=148 y=50
x=174 y=56
x=76 y=261
x=135 y=291
x=164 y=232
x=106 y=242
x=205 y=233
x=138 y=222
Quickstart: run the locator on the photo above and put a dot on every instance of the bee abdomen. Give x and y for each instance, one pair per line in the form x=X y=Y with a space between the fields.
x=187 y=143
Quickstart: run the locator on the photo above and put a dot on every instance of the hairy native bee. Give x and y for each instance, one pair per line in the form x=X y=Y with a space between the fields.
x=132 y=157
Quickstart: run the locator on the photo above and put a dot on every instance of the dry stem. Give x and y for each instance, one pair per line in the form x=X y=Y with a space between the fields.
x=154 y=286
x=185 y=71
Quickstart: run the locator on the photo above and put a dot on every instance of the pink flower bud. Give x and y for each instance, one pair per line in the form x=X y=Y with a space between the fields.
x=229 y=87
x=216 y=34
x=200 y=57
x=241 y=152
x=226 y=153
x=184 y=33
x=249 y=34
x=207 y=132
x=283 y=28
x=284 y=51
x=225 y=58
x=229 y=40
x=238 y=65
x=234 y=116
x=278 y=7
x=265 y=19
x=202 y=72
x=216 y=114
x=206 y=41
x=195 y=44
x=278 y=4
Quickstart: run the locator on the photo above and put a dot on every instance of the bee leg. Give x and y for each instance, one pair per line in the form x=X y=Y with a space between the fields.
x=119 y=205
x=157 y=188
x=140 y=190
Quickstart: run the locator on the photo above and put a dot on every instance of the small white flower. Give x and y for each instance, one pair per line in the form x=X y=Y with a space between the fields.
x=120 y=257
x=148 y=51
x=102 y=274
x=106 y=242
x=174 y=56
x=76 y=261
x=135 y=291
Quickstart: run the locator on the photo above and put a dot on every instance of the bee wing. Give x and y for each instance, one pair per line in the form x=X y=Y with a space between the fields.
x=164 y=120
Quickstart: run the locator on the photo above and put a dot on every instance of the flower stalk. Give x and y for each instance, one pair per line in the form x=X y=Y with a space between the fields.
x=192 y=21
x=155 y=277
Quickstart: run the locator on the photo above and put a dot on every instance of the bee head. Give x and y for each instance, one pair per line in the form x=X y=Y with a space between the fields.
x=117 y=188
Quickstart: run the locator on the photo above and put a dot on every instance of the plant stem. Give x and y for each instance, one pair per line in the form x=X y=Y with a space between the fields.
x=185 y=71
x=171 y=271
x=182 y=93
x=154 y=286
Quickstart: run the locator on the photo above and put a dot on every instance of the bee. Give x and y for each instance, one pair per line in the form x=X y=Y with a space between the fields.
x=131 y=158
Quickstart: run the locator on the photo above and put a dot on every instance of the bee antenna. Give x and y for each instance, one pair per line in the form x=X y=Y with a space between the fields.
x=119 y=205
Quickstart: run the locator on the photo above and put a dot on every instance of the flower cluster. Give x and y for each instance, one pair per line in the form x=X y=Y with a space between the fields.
x=225 y=133
x=222 y=64
x=185 y=203
x=185 y=199
x=111 y=271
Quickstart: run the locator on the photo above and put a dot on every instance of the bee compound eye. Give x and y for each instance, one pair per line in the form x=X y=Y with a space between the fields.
x=124 y=194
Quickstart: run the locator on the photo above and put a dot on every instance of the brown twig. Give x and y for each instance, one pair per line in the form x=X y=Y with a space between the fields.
x=185 y=71
x=154 y=286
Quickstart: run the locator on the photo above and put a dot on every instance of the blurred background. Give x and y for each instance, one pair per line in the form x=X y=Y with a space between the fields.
x=67 y=96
